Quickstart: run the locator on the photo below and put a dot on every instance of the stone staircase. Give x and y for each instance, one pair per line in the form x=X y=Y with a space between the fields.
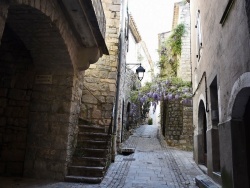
x=92 y=155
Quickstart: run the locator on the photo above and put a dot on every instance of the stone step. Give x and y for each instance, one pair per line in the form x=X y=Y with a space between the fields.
x=204 y=181
x=95 y=144
x=88 y=161
x=90 y=152
x=82 y=179
x=92 y=129
x=86 y=171
x=93 y=136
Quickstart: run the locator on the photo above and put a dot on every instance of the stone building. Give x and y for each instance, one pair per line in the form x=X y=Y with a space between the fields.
x=176 y=116
x=102 y=85
x=221 y=89
x=182 y=15
x=45 y=48
x=137 y=54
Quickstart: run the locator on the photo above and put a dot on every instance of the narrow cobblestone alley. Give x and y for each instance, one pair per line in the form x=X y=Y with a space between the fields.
x=152 y=165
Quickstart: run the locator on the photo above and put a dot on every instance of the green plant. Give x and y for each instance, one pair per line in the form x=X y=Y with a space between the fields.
x=150 y=121
x=170 y=52
x=175 y=40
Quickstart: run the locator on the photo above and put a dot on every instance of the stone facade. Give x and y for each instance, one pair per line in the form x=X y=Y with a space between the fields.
x=184 y=69
x=220 y=69
x=176 y=124
x=176 y=118
x=181 y=16
x=99 y=87
x=41 y=86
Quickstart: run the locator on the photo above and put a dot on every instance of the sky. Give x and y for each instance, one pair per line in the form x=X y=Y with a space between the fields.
x=152 y=17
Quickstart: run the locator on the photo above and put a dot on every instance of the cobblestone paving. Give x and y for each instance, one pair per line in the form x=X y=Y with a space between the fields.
x=153 y=165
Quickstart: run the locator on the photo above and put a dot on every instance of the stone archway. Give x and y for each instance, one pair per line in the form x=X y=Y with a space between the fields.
x=234 y=135
x=202 y=137
x=38 y=96
x=239 y=126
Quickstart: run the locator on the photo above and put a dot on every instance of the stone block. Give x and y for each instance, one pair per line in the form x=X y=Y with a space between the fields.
x=96 y=114
x=110 y=99
x=91 y=80
x=112 y=87
x=112 y=75
x=92 y=73
x=107 y=107
x=103 y=74
x=108 y=81
x=101 y=99
x=89 y=99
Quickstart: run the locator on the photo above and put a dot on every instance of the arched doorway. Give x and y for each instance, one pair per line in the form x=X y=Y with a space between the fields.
x=202 y=130
x=36 y=95
x=240 y=138
x=128 y=116
x=247 y=133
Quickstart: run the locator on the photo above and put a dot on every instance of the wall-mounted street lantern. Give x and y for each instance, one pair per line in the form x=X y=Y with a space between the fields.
x=139 y=71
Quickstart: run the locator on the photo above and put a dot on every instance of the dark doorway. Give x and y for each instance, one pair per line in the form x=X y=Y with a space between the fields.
x=214 y=131
x=164 y=115
x=202 y=122
x=204 y=134
x=15 y=87
x=247 y=133
x=34 y=112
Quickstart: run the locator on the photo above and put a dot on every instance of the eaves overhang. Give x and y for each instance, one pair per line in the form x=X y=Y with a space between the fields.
x=87 y=21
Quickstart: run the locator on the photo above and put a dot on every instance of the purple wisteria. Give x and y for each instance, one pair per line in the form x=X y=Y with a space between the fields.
x=167 y=90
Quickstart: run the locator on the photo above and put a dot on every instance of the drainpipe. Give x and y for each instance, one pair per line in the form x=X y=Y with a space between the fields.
x=120 y=60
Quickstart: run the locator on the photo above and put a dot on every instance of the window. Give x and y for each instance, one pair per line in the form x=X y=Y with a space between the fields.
x=198 y=36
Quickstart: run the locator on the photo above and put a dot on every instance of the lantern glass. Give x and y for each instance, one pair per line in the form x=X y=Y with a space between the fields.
x=140 y=72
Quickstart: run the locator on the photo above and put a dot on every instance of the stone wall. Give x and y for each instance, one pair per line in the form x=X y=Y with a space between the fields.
x=184 y=69
x=16 y=82
x=225 y=58
x=40 y=90
x=38 y=110
x=128 y=85
x=177 y=124
x=186 y=139
x=99 y=87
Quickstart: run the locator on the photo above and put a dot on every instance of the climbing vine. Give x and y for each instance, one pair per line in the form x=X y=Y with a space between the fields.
x=170 y=52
